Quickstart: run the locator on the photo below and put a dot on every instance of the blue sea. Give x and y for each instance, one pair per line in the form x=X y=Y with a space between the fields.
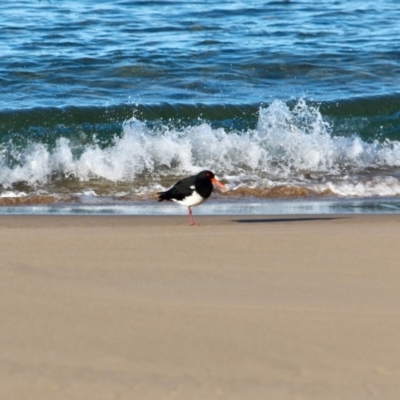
x=294 y=104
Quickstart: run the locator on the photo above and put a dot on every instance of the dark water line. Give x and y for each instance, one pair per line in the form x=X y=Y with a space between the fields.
x=363 y=106
x=369 y=117
x=18 y=120
x=358 y=106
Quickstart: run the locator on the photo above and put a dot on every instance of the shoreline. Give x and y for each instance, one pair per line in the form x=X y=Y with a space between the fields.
x=207 y=221
x=217 y=207
x=265 y=306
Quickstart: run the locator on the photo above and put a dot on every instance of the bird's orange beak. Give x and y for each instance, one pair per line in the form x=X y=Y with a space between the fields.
x=218 y=183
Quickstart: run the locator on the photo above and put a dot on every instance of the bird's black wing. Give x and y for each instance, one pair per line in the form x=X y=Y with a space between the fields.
x=179 y=191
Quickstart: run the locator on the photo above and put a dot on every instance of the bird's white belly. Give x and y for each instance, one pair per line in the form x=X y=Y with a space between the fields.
x=191 y=201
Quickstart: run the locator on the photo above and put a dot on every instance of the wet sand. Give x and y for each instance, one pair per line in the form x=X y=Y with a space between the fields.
x=267 y=307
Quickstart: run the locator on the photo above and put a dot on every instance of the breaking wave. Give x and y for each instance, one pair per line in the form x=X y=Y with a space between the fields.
x=291 y=151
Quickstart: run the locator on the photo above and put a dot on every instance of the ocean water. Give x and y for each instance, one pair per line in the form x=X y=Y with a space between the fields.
x=104 y=103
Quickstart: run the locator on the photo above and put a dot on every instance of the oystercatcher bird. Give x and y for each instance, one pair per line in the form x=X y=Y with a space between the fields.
x=192 y=191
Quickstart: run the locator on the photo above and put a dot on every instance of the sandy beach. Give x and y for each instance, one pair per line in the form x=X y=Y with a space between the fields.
x=267 y=307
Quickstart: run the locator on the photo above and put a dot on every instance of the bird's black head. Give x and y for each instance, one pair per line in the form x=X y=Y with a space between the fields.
x=206 y=179
x=206 y=175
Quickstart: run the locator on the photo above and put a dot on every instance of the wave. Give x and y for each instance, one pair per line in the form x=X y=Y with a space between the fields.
x=292 y=146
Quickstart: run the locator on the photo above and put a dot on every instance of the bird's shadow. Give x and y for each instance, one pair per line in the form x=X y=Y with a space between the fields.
x=275 y=220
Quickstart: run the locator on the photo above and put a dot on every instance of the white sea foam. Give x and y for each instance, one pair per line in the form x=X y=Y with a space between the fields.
x=287 y=145
x=377 y=186
x=12 y=194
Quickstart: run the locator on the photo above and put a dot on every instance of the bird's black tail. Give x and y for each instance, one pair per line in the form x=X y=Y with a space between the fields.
x=162 y=196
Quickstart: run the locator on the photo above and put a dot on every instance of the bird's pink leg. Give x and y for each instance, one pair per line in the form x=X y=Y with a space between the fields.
x=191 y=217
